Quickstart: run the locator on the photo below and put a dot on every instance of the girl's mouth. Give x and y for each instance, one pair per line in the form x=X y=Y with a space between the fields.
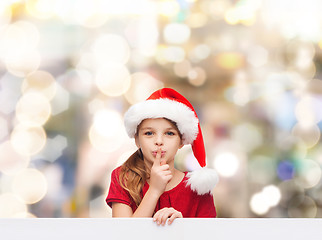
x=154 y=153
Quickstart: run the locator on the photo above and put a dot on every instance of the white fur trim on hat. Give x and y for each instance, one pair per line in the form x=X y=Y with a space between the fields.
x=178 y=112
x=202 y=180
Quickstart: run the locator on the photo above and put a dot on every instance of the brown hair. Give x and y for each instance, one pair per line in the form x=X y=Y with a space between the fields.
x=133 y=172
x=133 y=176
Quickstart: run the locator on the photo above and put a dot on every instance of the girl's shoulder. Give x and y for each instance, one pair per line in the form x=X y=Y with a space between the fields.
x=116 y=172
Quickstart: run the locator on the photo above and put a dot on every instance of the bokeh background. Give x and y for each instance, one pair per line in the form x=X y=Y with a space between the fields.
x=69 y=69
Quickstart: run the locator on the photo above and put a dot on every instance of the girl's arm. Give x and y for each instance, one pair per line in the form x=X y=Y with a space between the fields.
x=160 y=176
x=145 y=209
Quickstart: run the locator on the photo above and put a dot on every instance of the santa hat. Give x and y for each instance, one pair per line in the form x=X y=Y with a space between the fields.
x=167 y=103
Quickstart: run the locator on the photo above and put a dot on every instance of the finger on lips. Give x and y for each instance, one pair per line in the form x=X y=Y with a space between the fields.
x=158 y=157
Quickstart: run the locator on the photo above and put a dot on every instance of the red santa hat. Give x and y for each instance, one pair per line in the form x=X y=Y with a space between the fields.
x=168 y=103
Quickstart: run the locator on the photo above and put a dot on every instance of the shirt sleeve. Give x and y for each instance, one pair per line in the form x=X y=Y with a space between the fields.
x=116 y=192
x=206 y=207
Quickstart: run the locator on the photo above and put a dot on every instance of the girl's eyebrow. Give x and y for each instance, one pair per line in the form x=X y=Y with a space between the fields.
x=149 y=128
x=146 y=128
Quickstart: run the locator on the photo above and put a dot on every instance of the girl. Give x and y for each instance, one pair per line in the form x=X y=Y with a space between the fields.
x=147 y=184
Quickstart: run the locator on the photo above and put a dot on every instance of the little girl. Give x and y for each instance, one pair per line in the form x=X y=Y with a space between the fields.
x=147 y=184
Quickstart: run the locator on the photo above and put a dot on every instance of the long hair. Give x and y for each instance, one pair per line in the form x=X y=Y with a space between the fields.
x=133 y=172
x=133 y=176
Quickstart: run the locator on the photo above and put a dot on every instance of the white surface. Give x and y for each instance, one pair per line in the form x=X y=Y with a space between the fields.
x=116 y=228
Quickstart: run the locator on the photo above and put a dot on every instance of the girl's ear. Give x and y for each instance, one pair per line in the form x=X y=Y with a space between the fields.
x=181 y=145
x=137 y=141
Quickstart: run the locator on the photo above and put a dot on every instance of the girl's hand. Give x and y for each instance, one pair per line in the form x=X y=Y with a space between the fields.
x=160 y=175
x=161 y=216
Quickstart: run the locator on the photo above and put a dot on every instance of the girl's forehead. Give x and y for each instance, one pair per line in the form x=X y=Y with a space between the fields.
x=156 y=122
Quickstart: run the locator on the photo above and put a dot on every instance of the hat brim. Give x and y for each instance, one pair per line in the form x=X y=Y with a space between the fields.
x=178 y=112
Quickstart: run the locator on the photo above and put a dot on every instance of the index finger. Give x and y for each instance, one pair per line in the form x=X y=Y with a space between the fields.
x=158 y=157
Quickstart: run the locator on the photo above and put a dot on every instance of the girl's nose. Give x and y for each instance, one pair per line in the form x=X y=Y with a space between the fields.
x=159 y=140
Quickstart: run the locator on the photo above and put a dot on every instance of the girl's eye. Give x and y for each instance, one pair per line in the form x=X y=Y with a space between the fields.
x=149 y=133
x=170 y=133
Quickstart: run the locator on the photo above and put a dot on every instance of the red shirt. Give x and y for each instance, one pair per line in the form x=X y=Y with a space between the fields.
x=181 y=198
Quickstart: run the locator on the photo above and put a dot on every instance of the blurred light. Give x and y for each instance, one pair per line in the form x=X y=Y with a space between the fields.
x=288 y=143
x=280 y=107
x=176 y=33
x=257 y=56
x=24 y=64
x=33 y=109
x=10 y=205
x=96 y=105
x=168 y=8
x=309 y=134
x=290 y=189
x=293 y=18
x=170 y=54
x=90 y=14
x=77 y=82
x=113 y=80
x=19 y=39
x=258 y=204
x=40 y=82
x=9 y=93
x=200 y=52
x=304 y=112
x=242 y=13
x=128 y=7
x=3 y=128
x=261 y=169
x=231 y=16
x=304 y=55
x=111 y=48
x=54 y=177
x=307 y=110
x=241 y=95
x=11 y=162
x=17 y=48
x=197 y=76
x=272 y=195
x=5 y=13
x=42 y=9
x=300 y=55
x=54 y=148
x=124 y=157
x=230 y=61
x=197 y=20
x=226 y=164
x=107 y=132
x=60 y=102
x=28 y=140
x=142 y=86
x=309 y=173
x=274 y=88
x=181 y=69
x=302 y=207
x=142 y=34
x=30 y=185
x=261 y=202
x=107 y=122
x=254 y=137
x=285 y=170
x=215 y=9
x=320 y=44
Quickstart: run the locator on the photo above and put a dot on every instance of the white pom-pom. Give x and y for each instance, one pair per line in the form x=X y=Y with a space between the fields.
x=202 y=180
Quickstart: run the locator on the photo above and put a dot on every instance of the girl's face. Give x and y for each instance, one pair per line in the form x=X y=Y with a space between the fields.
x=157 y=133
